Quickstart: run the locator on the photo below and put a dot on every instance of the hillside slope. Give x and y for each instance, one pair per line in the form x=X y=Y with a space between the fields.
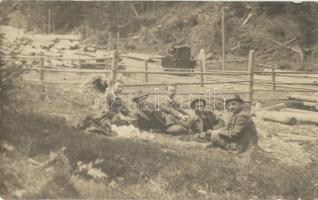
x=154 y=26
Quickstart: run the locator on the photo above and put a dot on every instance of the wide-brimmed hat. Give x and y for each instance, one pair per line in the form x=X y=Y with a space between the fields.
x=196 y=100
x=235 y=97
x=139 y=94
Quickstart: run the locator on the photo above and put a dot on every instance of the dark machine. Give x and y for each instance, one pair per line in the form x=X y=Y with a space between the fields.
x=179 y=57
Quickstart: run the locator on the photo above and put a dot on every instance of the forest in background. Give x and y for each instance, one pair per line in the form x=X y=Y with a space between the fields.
x=152 y=26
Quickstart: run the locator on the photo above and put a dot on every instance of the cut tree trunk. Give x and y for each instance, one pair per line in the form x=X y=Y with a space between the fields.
x=291 y=118
x=298 y=111
x=303 y=98
x=276 y=116
x=275 y=107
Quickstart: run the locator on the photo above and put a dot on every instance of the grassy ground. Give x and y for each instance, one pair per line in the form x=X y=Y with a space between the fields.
x=135 y=168
x=42 y=156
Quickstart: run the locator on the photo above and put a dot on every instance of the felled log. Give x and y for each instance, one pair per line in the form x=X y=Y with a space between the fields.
x=301 y=105
x=303 y=98
x=307 y=118
x=275 y=107
x=281 y=117
x=291 y=118
x=298 y=111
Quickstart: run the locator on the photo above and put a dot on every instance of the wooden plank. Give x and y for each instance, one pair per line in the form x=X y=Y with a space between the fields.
x=135 y=11
x=146 y=70
x=223 y=41
x=277 y=90
x=114 y=66
x=192 y=93
x=188 y=83
x=97 y=71
x=273 y=78
x=202 y=66
x=251 y=64
x=185 y=73
x=285 y=72
x=42 y=78
x=247 y=18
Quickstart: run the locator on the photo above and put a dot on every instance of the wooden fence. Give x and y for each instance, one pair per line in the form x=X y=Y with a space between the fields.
x=239 y=77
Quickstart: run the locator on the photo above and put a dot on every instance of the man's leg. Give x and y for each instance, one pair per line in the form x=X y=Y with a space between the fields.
x=141 y=120
x=176 y=129
x=218 y=140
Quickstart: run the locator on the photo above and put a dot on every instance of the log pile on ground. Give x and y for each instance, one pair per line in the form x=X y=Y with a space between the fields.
x=63 y=48
x=298 y=109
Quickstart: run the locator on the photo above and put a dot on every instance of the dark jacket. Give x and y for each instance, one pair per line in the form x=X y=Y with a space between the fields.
x=206 y=120
x=149 y=116
x=241 y=131
x=115 y=104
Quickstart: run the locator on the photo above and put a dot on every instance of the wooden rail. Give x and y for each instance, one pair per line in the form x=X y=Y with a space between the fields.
x=247 y=77
x=194 y=83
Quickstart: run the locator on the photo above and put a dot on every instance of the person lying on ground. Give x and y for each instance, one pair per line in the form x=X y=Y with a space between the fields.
x=240 y=134
x=204 y=121
x=147 y=116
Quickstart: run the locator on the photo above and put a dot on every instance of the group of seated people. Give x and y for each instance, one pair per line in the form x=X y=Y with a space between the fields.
x=239 y=133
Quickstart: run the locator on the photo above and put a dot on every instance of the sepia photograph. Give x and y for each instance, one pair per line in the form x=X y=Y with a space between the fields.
x=173 y=100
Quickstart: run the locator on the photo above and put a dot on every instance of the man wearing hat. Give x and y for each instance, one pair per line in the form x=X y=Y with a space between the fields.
x=148 y=117
x=204 y=120
x=240 y=133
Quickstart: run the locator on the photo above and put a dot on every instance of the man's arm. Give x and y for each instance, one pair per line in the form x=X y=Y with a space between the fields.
x=241 y=122
x=216 y=121
x=169 y=110
x=219 y=123
x=177 y=106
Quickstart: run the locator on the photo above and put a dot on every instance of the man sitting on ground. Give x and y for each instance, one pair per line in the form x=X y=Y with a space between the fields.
x=180 y=117
x=113 y=111
x=204 y=121
x=116 y=111
x=148 y=116
x=240 y=132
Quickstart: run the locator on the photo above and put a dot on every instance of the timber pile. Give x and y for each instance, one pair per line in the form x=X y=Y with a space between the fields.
x=65 y=49
x=298 y=109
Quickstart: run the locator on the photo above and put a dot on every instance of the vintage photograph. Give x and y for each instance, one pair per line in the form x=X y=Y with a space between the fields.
x=159 y=100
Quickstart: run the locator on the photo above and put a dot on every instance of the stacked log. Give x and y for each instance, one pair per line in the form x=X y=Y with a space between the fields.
x=298 y=109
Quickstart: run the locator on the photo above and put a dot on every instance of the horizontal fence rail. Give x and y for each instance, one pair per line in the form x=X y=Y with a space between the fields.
x=252 y=79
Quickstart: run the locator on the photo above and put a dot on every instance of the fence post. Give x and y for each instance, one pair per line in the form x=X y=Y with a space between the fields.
x=273 y=78
x=202 y=66
x=1 y=98
x=42 y=76
x=118 y=39
x=301 y=60
x=223 y=41
x=109 y=40
x=251 y=63
x=146 y=70
x=114 y=66
x=106 y=67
